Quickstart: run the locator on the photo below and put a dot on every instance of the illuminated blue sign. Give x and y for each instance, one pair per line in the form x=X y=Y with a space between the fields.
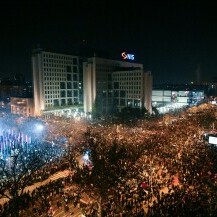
x=127 y=56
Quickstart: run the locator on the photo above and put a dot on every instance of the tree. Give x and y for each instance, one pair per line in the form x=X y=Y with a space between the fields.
x=109 y=166
x=16 y=174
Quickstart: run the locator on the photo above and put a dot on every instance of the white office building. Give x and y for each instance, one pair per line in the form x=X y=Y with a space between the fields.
x=112 y=83
x=55 y=80
x=132 y=88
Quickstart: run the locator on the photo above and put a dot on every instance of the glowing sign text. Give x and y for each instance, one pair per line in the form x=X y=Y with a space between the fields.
x=127 y=56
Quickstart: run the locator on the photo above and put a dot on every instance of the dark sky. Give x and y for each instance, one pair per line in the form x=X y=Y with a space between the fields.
x=171 y=38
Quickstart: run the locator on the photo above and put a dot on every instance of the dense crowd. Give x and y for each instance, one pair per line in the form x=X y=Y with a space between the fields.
x=163 y=170
x=175 y=171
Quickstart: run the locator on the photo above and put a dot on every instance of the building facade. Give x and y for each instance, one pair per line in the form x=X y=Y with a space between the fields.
x=22 y=106
x=132 y=88
x=107 y=84
x=55 y=80
x=166 y=100
x=110 y=84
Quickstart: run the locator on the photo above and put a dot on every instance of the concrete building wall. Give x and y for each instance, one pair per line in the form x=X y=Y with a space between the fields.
x=148 y=91
x=89 y=87
x=38 y=86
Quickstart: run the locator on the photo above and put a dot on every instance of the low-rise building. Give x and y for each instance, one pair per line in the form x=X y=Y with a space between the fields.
x=22 y=106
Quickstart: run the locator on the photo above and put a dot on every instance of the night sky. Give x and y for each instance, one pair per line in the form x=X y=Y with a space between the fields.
x=170 y=38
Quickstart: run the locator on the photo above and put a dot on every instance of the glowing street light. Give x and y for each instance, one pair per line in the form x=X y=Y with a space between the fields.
x=39 y=127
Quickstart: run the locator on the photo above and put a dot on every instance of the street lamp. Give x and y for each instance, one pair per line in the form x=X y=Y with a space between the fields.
x=39 y=127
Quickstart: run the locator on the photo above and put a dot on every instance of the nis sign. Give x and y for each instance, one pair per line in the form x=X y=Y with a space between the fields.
x=127 y=56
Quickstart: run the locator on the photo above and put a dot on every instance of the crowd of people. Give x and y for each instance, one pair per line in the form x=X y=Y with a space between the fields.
x=173 y=158
x=166 y=170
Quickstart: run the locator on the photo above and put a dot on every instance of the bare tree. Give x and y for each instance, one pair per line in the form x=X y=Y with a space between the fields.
x=16 y=174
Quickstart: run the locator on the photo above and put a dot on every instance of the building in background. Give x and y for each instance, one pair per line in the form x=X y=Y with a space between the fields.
x=110 y=84
x=168 y=98
x=12 y=88
x=22 y=106
x=56 y=84
x=132 y=87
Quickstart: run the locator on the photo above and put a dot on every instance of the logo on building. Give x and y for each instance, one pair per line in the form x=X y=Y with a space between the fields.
x=127 y=56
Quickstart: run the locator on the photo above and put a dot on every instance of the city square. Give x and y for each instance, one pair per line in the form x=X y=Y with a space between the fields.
x=108 y=109
x=105 y=168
